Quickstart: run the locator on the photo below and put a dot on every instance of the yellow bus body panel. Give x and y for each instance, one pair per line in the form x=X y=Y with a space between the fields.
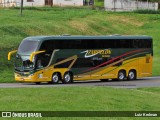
x=142 y=65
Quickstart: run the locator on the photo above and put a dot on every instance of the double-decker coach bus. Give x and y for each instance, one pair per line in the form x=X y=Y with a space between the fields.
x=67 y=58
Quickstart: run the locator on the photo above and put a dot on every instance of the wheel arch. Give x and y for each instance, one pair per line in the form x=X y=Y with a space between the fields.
x=122 y=70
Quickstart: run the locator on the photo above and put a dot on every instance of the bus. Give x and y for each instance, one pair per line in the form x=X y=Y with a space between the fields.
x=66 y=58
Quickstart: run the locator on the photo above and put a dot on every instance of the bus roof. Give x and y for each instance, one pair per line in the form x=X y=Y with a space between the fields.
x=109 y=37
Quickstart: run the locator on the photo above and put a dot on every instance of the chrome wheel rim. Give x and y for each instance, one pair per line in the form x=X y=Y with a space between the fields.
x=67 y=77
x=131 y=75
x=55 y=78
x=121 y=76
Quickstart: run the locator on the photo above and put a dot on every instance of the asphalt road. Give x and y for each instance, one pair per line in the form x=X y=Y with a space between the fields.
x=143 y=82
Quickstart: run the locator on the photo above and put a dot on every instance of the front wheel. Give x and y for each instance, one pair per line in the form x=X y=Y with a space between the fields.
x=56 y=78
x=68 y=78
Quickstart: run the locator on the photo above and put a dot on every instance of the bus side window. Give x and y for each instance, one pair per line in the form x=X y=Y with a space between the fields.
x=135 y=43
x=88 y=44
x=76 y=43
x=44 y=58
x=147 y=44
x=141 y=44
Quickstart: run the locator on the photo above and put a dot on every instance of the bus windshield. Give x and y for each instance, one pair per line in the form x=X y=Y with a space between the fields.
x=28 y=46
x=25 y=65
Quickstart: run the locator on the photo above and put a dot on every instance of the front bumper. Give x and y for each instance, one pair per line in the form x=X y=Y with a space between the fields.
x=26 y=78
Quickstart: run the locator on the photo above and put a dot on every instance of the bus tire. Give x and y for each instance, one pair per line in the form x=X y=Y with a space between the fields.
x=56 y=78
x=121 y=75
x=132 y=75
x=67 y=78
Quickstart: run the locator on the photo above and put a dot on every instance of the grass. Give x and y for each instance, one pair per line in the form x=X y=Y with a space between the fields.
x=66 y=99
x=87 y=99
x=74 y=21
x=147 y=11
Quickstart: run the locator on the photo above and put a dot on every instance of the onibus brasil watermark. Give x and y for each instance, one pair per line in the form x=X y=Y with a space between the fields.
x=21 y=114
x=39 y=114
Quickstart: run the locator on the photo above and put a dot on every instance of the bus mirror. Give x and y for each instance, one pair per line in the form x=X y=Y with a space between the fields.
x=35 y=53
x=10 y=53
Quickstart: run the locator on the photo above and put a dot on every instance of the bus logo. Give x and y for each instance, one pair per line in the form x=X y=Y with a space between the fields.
x=91 y=53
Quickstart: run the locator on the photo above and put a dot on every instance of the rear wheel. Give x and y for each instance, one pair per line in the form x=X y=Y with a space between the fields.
x=56 y=78
x=121 y=75
x=68 y=78
x=132 y=75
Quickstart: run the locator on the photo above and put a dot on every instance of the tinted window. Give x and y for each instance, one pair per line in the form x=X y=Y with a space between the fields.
x=28 y=46
x=83 y=62
x=94 y=44
x=63 y=65
x=141 y=43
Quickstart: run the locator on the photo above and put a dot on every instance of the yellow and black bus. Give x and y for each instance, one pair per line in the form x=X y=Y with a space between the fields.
x=67 y=58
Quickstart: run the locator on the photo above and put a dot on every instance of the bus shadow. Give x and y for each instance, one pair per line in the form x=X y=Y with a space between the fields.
x=94 y=82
